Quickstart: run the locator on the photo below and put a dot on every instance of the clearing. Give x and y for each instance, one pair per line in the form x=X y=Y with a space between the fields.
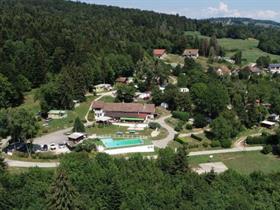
x=249 y=47
x=242 y=162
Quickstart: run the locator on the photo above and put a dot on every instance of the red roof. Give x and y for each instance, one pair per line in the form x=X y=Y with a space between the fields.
x=159 y=52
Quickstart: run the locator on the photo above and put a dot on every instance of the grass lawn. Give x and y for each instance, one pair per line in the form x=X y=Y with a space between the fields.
x=172 y=58
x=29 y=102
x=249 y=47
x=67 y=122
x=107 y=99
x=243 y=162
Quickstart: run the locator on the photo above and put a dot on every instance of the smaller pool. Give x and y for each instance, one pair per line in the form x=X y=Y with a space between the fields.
x=111 y=143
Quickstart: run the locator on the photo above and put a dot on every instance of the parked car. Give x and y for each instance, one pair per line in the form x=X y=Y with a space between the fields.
x=45 y=147
x=61 y=146
x=52 y=146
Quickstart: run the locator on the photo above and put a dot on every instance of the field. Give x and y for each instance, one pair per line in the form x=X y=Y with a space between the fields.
x=249 y=48
x=243 y=162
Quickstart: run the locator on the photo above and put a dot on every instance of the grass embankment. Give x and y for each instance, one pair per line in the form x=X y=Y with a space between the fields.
x=242 y=162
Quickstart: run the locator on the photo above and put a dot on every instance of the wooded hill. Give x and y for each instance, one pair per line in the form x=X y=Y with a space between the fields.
x=53 y=41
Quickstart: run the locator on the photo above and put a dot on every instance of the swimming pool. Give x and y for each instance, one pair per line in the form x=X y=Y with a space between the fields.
x=111 y=143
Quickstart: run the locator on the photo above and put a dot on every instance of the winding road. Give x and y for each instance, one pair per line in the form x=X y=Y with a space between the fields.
x=59 y=137
x=171 y=133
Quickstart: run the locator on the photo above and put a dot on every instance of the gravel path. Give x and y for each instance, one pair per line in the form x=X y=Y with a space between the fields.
x=171 y=133
x=25 y=164
x=220 y=151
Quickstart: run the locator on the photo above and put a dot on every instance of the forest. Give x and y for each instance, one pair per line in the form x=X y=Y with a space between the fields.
x=103 y=182
x=47 y=43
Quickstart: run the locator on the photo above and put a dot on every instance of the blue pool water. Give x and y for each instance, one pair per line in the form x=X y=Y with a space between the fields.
x=111 y=143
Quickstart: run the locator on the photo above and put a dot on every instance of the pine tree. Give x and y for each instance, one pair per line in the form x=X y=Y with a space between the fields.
x=62 y=195
x=78 y=126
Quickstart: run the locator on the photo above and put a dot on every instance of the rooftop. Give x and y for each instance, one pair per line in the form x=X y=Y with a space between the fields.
x=124 y=107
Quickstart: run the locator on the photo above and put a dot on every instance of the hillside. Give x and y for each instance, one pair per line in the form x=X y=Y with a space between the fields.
x=249 y=47
x=244 y=21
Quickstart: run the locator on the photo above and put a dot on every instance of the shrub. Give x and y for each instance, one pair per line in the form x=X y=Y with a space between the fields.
x=45 y=155
x=179 y=141
x=87 y=146
x=267 y=149
x=91 y=116
x=225 y=143
x=256 y=140
x=179 y=126
x=184 y=116
x=205 y=144
x=20 y=154
x=196 y=137
x=154 y=125
x=200 y=121
x=215 y=144
x=189 y=126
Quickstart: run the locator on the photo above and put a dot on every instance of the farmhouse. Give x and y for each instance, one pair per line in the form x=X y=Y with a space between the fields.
x=274 y=68
x=128 y=112
x=223 y=70
x=159 y=53
x=191 y=53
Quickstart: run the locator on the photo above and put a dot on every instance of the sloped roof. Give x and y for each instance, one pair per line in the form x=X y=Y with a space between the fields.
x=124 y=107
x=190 y=52
x=159 y=52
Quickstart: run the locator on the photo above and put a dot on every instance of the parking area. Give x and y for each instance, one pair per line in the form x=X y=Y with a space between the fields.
x=57 y=137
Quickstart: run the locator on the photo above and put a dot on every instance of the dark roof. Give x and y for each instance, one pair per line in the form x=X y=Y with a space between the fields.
x=124 y=107
x=274 y=65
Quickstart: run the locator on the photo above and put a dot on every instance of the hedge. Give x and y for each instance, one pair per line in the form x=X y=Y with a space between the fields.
x=184 y=116
x=196 y=137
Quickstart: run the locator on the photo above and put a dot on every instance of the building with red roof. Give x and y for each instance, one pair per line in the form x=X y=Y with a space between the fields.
x=159 y=53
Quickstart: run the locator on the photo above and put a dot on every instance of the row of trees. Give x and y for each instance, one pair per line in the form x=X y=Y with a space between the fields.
x=104 y=182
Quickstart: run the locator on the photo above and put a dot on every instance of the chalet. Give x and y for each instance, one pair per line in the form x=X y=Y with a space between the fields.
x=102 y=88
x=191 y=53
x=57 y=114
x=274 y=68
x=76 y=137
x=268 y=124
x=274 y=118
x=128 y=112
x=144 y=96
x=184 y=90
x=223 y=70
x=159 y=53
x=254 y=69
x=122 y=80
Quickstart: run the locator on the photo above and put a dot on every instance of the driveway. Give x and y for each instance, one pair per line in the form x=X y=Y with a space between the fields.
x=55 y=137
x=171 y=133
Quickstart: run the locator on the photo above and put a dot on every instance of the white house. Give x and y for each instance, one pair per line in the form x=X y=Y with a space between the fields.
x=274 y=68
x=103 y=87
x=184 y=90
x=191 y=53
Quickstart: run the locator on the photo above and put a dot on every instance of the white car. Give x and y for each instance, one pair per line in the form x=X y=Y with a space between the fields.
x=52 y=146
